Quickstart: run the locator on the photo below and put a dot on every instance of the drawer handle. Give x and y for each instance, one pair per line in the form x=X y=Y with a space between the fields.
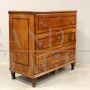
x=41 y=44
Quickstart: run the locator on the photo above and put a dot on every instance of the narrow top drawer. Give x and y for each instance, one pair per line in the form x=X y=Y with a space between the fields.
x=44 y=21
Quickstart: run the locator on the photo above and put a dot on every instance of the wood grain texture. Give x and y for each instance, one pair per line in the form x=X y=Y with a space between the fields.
x=41 y=42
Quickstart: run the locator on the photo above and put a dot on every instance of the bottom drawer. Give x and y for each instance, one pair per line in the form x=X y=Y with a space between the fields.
x=54 y=59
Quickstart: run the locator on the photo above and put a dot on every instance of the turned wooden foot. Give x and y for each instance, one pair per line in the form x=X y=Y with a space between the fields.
x=72 y=66
x=13 y=75
x=34 y=82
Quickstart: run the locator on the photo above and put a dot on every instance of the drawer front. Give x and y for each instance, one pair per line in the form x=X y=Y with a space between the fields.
x=50 y=61
x=56 y=31
x=64 y=46
x=54 y=59
x=56 y=21
x=52 y=29
x=48 y=42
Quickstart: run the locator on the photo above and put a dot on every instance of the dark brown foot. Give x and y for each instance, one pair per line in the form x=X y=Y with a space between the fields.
x=13 y=75
x=34 y=82
x=72 y=66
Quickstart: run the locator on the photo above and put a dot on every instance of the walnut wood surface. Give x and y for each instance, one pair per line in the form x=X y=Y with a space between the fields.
x=41 y=42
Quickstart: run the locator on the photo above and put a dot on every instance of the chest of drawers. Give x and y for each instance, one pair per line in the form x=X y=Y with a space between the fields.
x=41 y=42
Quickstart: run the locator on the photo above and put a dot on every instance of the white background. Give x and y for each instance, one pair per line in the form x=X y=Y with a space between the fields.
x=83 y=19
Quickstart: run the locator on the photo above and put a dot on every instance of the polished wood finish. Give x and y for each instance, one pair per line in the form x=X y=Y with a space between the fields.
x=41 y=42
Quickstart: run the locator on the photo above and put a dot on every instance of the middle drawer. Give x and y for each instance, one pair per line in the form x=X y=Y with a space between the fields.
x=57 y=38
x=55 y=58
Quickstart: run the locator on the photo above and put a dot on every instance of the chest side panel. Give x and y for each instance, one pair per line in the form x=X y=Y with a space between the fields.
x=21 y=43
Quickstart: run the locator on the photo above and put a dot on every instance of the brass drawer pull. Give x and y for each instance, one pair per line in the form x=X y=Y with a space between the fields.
x=39 y=44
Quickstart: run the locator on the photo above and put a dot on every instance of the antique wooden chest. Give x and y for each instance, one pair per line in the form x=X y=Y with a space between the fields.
x=41 y=42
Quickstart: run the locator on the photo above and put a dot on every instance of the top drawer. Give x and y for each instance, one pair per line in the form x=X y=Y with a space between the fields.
x=46 y=21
